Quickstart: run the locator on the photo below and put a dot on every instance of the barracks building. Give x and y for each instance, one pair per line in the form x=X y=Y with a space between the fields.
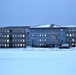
x=37 y=36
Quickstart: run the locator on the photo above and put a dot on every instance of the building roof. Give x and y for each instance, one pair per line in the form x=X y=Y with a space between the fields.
x=52 y=26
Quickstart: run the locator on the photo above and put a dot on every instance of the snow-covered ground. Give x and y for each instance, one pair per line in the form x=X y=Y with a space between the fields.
x=38 y=61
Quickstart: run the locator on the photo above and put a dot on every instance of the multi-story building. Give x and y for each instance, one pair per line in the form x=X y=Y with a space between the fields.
x=13 y=36
x=37 y=36
x=49 y=37
x=71 y=36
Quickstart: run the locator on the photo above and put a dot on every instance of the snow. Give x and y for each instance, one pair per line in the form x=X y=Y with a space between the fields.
x=38 y=61
x=48 y=25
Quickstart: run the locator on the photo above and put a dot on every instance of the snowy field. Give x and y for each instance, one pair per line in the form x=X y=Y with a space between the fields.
x=38 y=61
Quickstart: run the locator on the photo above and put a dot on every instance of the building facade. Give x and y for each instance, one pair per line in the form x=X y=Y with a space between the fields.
x=13 y=37
x=71 y=36
x=47 y=37
x=22 y=36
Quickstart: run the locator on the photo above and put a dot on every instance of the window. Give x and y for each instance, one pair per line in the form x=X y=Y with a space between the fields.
x=23 y=44
x=61 y=34
x=15 y=44
x=45 y=39
x=70 y=35
x=32 y=34
x=8 y=31
x=7 y=40
x=13 y=40
x=40 y=35
x=5 y=45
x=20 y=44
x=73 y=30
x=61 y=29
x=40 y=40
x=45 y=35
x=5 y=31
x=4 y=35
x=23 y=35
x=7 y=35
x=37 y=34
x=23 y=40
x=67 y=39
x=18 y=35
x=12 y=44
x=72 y=44
x=18 y=40
x=72 y=39
x=40 y=44
x=13 y=35
x=69 y=29
x=66 y=34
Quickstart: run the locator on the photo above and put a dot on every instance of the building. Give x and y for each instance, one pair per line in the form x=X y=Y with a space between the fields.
x=37 y=36
x=12 y=37
x=71 y=36
x=47 y=36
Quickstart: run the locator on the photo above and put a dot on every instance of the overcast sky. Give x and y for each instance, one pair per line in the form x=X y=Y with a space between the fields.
x=37 y=12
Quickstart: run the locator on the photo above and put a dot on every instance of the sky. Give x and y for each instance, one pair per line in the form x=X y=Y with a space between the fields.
x=37 y=12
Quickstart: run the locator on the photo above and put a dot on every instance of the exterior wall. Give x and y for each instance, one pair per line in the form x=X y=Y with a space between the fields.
x=71 y=36
x=47 y=36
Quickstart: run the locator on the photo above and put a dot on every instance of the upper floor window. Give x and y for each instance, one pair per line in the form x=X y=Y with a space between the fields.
x=66 y=34
x=7 y=40
x=32 y=34
x=7 y=30
x=23 y=35
x=61 y=29
x=70 y=35
x=7 y=35
x=72 y=39
x=45 y=35
x=72 y=29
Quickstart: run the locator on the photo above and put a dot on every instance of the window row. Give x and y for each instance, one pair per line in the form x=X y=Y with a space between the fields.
x=72 y=40
x=18 y=35
x=18 y=30
x=70 y=35
x=42 y=35
x=14 y=40
x=4 y=31
x=51 y=30
x=5 y=35
x=18 y=40
x=41 y=39
x=20 y=45
x=38 y=34
x=4 y=45
x=12 y=31
x=4 y=40
x=71 y=30
x=13 y=35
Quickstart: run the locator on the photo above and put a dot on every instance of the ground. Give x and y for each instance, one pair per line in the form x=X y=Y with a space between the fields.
x=40 y=61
